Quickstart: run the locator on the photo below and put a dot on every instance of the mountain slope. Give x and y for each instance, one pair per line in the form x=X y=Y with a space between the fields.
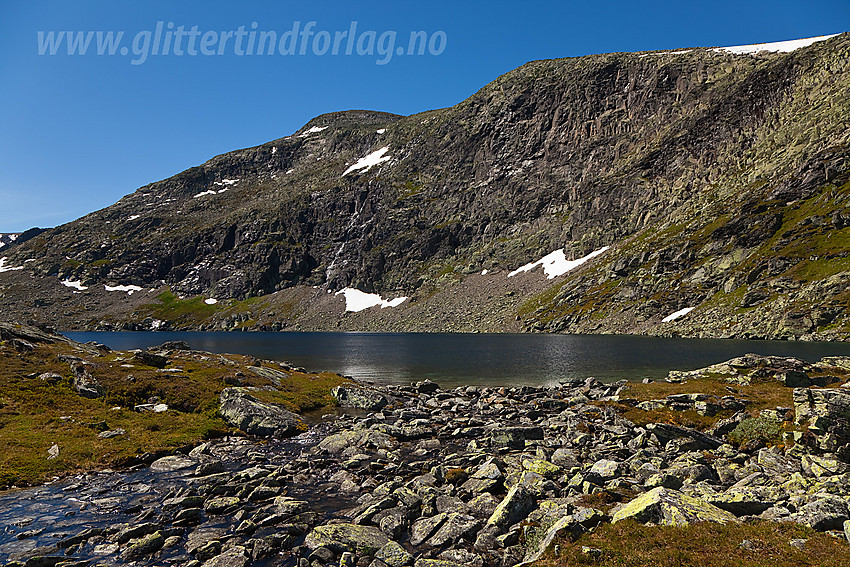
x=718 y=179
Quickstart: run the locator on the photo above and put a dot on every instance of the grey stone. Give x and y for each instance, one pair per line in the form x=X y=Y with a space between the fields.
x=242 y=410
x=361 y=398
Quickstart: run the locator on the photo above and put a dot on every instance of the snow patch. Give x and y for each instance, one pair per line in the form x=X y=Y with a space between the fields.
x=556 y=263
x=13 y=237
x=210 y=301
x=210 y=192
x=677 y=314
x=128 y=288
x=4 y=268
x=75 y=284
x=484 y=272
x=226 y=182
x=381 y=131
x=133 y=217
x=366 y=163
x=775 y=47
x=274 y=150
x=356 y=300
x=313 y=130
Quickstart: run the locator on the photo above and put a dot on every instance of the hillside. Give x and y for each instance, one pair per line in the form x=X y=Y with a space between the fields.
x=718 y=180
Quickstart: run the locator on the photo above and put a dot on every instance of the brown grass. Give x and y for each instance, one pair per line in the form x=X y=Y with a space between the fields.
x=629 y=544
x=35 y=414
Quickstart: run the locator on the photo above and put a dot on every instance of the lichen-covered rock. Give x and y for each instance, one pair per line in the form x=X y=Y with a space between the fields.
x=671 y=508
x=244 y=411
x=744 y=501
x=173 y=463
x=455 y=528
x=542 y=467
x=235 y=556
x=363 y=540
x=149 y=358
x=276 y=377
x=826 y=513
x=604 y=470
x=515 y=506
x=827 y=412
x=515 y=436
x=352 y=438
x=394 y=555
x=143 y=546
x=360 y=398
x=423 y=528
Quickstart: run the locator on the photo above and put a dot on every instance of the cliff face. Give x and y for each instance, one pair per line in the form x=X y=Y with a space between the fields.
x=719 y=181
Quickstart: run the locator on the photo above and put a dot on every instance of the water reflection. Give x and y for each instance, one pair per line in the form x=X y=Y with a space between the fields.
x=482 y=359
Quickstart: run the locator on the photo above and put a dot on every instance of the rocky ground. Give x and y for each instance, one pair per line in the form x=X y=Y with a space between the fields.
x=419 y=476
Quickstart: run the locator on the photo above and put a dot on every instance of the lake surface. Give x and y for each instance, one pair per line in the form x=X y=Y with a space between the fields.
x=475 y=359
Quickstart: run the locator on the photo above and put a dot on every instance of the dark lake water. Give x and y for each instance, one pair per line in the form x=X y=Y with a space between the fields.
x=475 y=359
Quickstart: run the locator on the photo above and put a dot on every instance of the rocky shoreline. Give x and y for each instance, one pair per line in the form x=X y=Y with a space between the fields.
x=420 y=476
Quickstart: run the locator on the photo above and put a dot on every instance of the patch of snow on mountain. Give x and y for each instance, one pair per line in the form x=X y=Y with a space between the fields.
x=313 y=130
x=274 y=150
x=133 y=217
x=211 y=301
x=226 y=181
x=75 y=284
x=128 y=288
x=366 y=163
x=556 y=263
x=381 y=131
x=4 y=268
x=677 y=314
x=776 y=46
x=356 y=300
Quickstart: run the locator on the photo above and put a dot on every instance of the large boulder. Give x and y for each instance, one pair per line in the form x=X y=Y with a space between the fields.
x=669 y=507
x=827 y=413
x=515 y=506
x=362 y=540
x=826 y=513
x=242 y=410
x=359 y=398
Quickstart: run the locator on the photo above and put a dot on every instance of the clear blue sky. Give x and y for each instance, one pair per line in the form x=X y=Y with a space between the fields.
x=77 y=132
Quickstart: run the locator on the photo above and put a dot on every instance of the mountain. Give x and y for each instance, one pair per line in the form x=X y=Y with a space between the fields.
x=715 y=180
x=7 y=238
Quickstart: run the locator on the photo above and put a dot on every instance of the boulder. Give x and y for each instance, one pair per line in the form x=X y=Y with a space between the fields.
x=514 y=437
x=515 y=506
x=359 y=398
x=826 y=513
x=173 y=463
x=235 y=556
x=363 y=540
x=83 y=383
x=143 y=546
x=671 y=508
x=244 y=411
x=394 y=555
x=147 y=358
x=455 y=528
x=276 y=377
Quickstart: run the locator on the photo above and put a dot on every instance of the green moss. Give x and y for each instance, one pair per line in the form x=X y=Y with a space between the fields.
x=191 y=310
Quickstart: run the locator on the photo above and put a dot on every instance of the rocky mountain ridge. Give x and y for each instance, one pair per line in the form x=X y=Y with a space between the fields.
x=718 y=180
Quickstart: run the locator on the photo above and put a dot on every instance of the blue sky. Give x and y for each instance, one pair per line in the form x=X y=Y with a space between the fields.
x=77 y=132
